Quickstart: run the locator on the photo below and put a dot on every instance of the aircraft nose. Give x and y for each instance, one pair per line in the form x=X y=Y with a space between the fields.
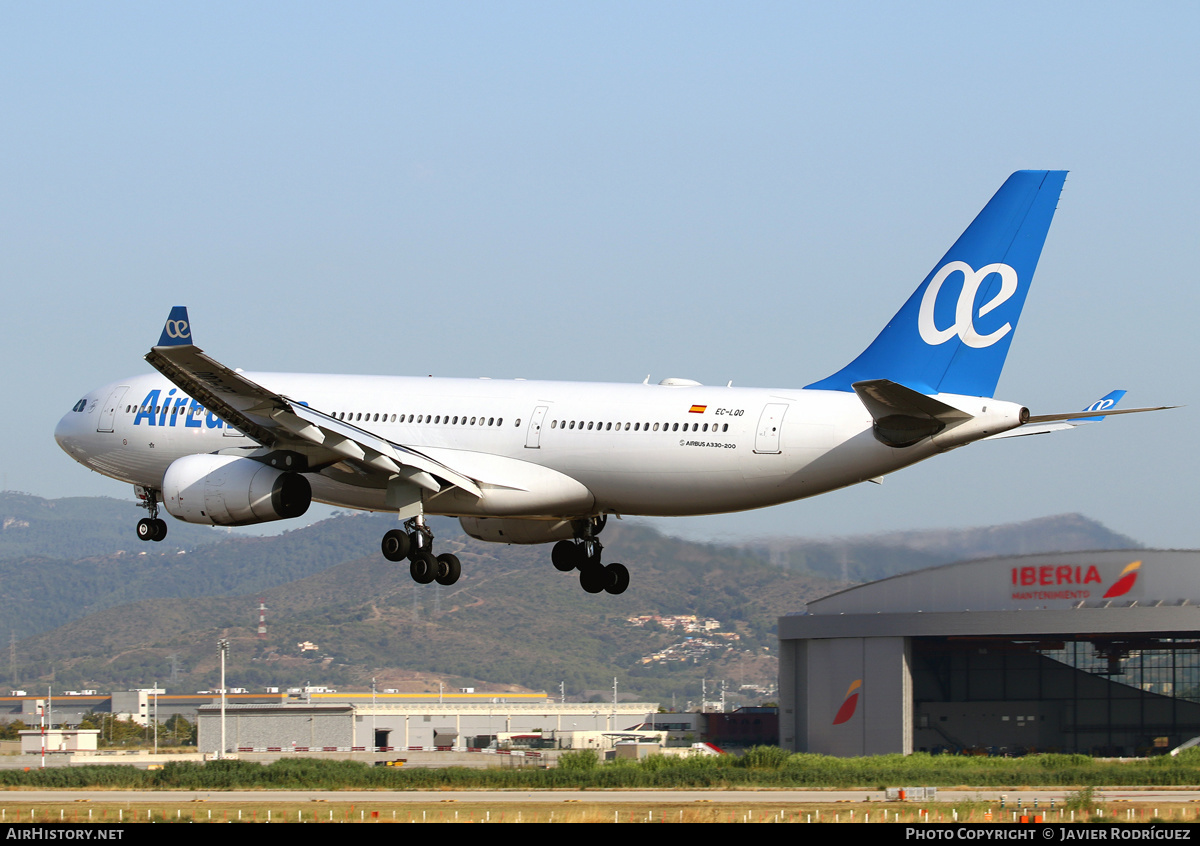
x=62 y=432
x=67 y=432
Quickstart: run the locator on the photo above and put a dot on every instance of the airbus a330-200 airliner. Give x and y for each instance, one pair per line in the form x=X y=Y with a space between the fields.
x=537 y=462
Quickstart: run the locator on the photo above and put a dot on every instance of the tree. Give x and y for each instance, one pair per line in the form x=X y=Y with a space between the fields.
x=8 y=731
x=178 y=732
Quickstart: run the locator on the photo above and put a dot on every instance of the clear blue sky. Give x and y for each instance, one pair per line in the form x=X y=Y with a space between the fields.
x=600 y=191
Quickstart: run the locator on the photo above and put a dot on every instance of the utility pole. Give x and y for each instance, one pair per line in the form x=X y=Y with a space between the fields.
x=223 y=646
x=614 y=708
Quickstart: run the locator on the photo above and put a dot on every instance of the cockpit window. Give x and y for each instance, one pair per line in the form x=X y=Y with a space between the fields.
x=80 y=406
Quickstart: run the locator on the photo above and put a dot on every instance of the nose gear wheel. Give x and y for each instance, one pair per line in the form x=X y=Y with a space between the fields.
x=150 y=528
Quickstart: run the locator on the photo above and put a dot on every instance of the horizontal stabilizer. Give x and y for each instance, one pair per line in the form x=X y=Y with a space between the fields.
x=1042 y=424
x=903 y=416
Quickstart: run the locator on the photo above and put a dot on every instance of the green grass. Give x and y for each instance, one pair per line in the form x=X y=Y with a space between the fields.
x=763 y=767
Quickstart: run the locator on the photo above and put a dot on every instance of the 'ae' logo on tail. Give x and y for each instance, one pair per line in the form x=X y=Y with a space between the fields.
x=964 y=312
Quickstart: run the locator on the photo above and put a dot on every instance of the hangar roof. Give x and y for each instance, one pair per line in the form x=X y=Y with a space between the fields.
x=1046 y=582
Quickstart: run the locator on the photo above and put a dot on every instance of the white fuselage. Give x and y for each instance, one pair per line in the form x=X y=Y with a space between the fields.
x=541 y=449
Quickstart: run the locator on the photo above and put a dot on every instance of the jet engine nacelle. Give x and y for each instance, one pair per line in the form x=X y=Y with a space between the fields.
x=224 y=490
x=513 y=530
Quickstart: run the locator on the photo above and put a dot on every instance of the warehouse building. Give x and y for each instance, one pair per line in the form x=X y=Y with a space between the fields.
x=451 y=725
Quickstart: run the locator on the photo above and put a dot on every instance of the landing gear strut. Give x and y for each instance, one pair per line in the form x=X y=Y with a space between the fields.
x=583 y=554
x=150 y=528
x=415 y=543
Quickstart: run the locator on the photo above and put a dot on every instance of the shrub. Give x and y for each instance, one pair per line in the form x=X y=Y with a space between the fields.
x=579 y=759
x=764 y=758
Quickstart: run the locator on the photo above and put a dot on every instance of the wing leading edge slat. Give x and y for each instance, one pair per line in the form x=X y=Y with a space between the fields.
x=277 y=422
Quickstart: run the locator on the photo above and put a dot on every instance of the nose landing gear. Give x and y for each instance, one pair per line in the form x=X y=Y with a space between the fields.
x=149 y=528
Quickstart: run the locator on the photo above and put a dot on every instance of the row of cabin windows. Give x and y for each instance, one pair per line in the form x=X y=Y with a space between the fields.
x=197 y=411
x=456 y=420
x=359 y=416
x=639 y=427
x=436 y=419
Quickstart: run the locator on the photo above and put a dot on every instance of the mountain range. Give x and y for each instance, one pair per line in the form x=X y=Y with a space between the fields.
x=88 y=605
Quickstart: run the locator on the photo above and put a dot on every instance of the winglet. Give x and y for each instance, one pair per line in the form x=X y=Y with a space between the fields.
x=177 y=331
x=1103 y=404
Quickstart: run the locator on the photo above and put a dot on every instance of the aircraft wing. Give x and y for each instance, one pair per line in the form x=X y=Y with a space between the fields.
x=280 y=423
x=1041 y=424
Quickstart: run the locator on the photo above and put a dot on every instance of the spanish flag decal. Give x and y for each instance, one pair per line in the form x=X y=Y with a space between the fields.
x=697 y=409
x=1124 y=582
x=850 y=704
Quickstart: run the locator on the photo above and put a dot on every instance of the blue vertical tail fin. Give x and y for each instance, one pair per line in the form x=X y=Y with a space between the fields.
x=953 y=334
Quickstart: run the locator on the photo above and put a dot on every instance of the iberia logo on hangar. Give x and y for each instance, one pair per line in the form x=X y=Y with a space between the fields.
x=1054 y=581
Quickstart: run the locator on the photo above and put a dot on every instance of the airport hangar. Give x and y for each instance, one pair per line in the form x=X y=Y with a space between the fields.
x=1091 y=652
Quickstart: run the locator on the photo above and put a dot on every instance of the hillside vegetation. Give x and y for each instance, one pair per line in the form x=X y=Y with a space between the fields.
x=102 y=610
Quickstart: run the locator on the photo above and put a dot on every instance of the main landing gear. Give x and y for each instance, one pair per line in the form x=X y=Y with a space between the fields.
x=583 y=554
x=151 y=528
x=415 y=542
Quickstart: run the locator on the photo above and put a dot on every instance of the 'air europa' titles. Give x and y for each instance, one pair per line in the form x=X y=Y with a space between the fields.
x=157 y=410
